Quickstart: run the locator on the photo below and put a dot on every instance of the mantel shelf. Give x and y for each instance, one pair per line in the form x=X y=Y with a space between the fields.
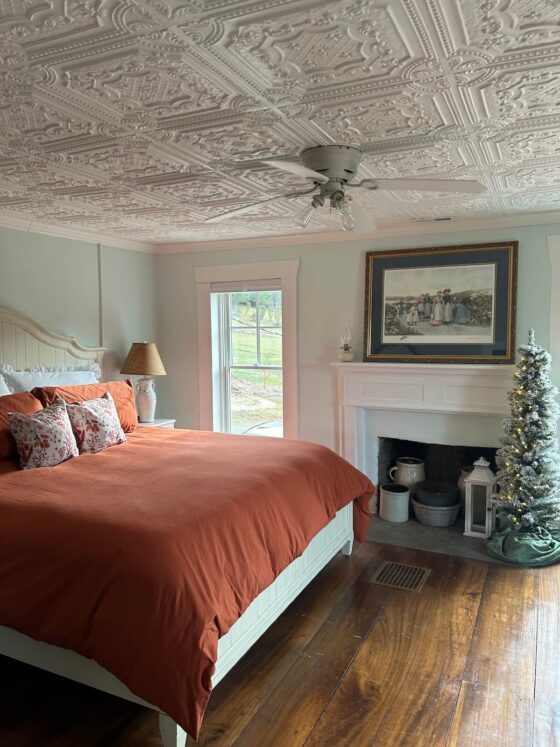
x=498 y=369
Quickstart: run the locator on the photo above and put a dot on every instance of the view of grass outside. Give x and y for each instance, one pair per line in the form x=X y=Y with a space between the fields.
x=255 y=370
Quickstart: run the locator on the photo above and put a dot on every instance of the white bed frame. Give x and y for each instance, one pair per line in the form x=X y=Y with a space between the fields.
x=23 y=343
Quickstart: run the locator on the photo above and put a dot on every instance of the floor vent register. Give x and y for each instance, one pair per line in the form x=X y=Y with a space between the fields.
x=401 y=576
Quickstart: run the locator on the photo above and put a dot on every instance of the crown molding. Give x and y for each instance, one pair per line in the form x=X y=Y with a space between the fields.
x=410 y=228
x=7 y=220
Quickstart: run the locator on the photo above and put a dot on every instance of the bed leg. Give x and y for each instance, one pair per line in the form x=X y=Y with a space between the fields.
x=171 y=733
x=346 y=548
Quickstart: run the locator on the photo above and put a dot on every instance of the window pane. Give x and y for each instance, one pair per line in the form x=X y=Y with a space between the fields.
x=270 y=303
x=243 y=346
x=256 y=402
x=271 y=347
x=243 y=309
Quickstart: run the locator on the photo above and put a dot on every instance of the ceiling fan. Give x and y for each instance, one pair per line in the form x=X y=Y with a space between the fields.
x=331 y=168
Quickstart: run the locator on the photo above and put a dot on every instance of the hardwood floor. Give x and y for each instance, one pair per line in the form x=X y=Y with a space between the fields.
x=471 y=660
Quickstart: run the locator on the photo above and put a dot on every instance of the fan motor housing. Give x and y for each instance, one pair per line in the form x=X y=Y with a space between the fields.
x=338 y=162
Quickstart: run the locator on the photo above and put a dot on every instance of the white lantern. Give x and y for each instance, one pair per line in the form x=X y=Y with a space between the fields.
x=480 y=487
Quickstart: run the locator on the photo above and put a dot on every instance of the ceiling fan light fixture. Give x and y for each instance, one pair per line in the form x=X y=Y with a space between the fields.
x=303 y=217
x=348 y=221
x=344 y=207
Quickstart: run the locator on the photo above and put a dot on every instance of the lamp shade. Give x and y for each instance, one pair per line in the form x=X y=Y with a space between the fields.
x=143 y=358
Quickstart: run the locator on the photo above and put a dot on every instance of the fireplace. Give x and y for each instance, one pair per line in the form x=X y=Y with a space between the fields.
x=427 y=406
x=442 y=462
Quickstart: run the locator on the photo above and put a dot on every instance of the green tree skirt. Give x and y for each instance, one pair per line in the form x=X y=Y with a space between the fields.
x=535 y=548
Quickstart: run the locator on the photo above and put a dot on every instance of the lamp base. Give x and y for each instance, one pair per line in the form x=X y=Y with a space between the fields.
x=146 y=400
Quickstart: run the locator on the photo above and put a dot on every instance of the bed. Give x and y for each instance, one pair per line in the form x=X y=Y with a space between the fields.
x=24 y=343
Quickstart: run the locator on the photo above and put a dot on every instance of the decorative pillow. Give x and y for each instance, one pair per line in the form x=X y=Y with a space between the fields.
x=23 y=402
x=45 y=438
x=96 y=424
x=121 y=391
x=4 y=388
x=25 y=381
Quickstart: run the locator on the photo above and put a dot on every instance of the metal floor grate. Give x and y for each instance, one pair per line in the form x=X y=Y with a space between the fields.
x=401 y=576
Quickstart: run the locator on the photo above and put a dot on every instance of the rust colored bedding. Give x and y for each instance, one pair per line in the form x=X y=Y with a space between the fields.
x=143 y=555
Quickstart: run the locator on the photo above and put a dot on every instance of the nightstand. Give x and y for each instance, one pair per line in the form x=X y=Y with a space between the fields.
x=161 y=423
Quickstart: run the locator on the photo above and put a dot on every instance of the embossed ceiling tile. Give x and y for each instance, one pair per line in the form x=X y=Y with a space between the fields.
x=300 y=48
x=128 y=158
x=115 y=203
x=535 y=177
x=269 y=181
x=537 y=200
x=379 y=204
x=141 y=118
x=511 y=25
x=519 y=148
x=18 y=163
x=25 y=22
x=16 y=86
x=157 y=82
x=462 y=68
x=201 y=190
x=440 y=159
x=444 y=204
x=35 y=123
x=521 y=94
x=377 y=118
x=240 y=141
x=271 y=213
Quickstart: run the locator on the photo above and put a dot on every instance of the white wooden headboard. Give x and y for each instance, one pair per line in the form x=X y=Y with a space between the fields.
x=24 y=344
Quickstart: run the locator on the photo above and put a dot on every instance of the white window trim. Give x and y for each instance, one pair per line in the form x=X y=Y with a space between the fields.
x=285 y=271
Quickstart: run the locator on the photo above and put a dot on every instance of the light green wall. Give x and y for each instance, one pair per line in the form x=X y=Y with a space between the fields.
x=331 y=290
x=57 y=281
x=146 y=297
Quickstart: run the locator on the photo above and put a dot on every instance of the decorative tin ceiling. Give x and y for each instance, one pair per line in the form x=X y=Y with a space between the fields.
x=140 y=118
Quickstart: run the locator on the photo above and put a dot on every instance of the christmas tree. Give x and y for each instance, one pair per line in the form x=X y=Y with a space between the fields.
x=529 y=463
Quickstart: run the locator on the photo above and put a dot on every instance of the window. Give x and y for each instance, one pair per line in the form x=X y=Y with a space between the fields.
x=247 y=328
x=247 y=348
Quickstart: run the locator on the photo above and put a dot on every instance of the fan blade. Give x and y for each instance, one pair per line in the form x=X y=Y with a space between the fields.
x=298 y=169
x=248 y=208
x=469 y=186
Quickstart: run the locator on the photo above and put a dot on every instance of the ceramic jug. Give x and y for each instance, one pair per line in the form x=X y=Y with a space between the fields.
x=408 y=471
x=394 y=500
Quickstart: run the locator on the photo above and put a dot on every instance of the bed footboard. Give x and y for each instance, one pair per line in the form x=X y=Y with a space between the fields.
x=336 y=537
x=346 y=548
x=171 y=733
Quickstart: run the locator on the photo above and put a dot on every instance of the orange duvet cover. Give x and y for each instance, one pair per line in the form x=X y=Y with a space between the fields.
x=143 y=555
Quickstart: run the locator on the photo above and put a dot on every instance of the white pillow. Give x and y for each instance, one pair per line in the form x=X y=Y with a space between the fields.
x=4 y=388
x=24 y=381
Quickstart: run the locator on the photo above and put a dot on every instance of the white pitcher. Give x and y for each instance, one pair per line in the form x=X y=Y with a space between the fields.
x=408 y=471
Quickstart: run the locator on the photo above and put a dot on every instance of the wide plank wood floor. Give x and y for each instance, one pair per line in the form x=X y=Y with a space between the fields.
x=473 y=660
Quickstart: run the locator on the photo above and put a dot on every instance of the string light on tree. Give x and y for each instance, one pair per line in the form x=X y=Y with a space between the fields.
x=528 y=460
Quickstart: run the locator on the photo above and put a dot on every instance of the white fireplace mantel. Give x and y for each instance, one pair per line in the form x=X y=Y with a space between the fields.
x=474 y=389
x=454 y=404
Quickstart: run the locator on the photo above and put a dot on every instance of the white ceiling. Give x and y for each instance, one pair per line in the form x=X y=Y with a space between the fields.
x=140 y=118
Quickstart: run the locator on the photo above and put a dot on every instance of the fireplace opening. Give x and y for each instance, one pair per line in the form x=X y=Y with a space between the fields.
x=435 y=525
x=442 y=463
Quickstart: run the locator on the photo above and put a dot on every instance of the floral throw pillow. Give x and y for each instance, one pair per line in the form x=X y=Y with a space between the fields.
x=44 y=438
x=96 y=424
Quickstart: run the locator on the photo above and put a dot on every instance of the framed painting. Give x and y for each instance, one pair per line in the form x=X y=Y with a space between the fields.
x=447 y=304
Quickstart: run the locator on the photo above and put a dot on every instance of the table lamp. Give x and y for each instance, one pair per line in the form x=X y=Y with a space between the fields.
x=143 y=359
